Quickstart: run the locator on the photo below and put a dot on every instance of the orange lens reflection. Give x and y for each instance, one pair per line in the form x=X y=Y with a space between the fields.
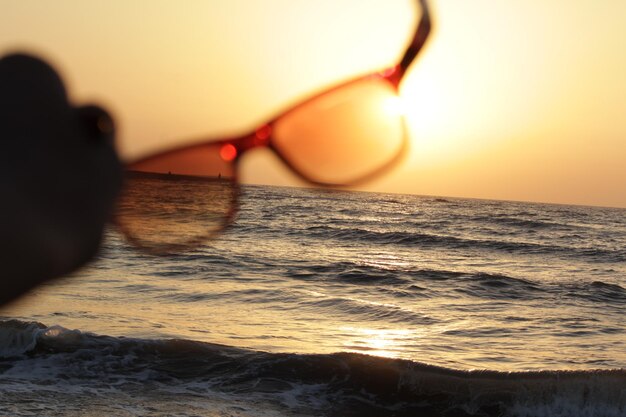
x=228 y=152
x=345 y=134
x=176 y=199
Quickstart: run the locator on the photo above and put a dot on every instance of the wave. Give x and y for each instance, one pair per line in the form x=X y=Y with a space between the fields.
x=368 y=311
x=599 y=292
x=411 y=238
x=353 y=272
x=341 y=384
x=524 y=223
x=495 y=286
x=453 y=242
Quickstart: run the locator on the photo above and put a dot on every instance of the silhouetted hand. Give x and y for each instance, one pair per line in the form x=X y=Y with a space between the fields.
x=59 y=176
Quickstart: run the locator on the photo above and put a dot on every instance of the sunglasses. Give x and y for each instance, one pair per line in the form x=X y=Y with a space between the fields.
x=172 y=201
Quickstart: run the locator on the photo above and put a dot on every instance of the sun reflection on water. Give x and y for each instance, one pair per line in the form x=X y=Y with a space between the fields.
x=386 y=261
x=379 y=342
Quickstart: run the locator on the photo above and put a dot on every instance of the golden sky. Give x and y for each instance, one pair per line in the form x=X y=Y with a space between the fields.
x=516 y=99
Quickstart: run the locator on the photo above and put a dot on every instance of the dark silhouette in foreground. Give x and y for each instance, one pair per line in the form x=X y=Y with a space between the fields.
x=59 y=176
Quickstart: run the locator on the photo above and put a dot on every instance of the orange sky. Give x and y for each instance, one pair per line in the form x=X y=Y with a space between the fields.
x=518 y=100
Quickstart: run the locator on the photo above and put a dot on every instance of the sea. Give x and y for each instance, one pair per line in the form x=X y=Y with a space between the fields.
x=337 y=303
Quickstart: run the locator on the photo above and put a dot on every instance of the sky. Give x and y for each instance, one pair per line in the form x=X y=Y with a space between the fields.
x=516 y=100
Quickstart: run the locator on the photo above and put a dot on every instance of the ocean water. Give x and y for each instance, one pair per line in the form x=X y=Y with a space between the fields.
x=336 y=303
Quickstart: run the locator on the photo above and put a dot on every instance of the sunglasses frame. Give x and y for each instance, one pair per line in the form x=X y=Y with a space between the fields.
x=261 y=137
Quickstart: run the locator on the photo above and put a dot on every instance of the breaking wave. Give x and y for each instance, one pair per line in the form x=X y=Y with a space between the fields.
x=38 y=358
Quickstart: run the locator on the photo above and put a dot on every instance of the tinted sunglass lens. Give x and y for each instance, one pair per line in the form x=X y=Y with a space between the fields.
x=179 y=198
x=345 y=134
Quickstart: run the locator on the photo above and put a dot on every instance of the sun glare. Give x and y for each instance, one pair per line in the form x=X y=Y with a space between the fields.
x=394 y=106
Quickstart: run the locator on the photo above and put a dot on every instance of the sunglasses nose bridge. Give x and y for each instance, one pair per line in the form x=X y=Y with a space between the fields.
x=259 y=138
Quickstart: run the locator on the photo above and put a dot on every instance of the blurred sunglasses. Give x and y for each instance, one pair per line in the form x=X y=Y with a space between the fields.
x=173 y=200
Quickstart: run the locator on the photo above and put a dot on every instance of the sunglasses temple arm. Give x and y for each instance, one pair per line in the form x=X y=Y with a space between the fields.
x=421 y=34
